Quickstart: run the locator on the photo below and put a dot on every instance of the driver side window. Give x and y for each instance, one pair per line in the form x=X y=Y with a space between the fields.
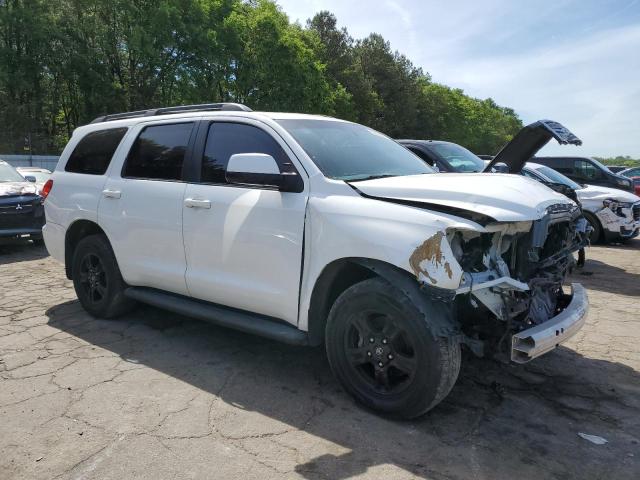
x=586 y=170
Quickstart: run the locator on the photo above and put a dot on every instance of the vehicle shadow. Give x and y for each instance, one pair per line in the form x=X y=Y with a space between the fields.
x=500 y=420
x=20 y=250
x=597 y=275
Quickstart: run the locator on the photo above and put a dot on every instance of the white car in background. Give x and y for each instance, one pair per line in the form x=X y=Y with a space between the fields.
x=614 y=214
x=36 y=175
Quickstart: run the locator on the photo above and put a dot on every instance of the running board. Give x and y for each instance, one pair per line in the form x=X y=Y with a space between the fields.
x=219 y=315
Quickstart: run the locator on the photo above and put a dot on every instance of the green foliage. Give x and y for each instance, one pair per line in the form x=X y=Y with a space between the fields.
x=620 y=160
x=63 y=63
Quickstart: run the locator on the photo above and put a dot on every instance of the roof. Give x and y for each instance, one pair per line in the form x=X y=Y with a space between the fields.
x=423 y=142
x=127 y=122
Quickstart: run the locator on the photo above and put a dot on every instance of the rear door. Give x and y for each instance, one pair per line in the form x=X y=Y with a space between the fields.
x=141 y=206
x=243 y=244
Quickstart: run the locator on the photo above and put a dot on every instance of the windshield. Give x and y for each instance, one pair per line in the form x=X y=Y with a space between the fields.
x=9 y=174
x=557 y=177
x=348 y=151
x=459 y=158
x=41 y=177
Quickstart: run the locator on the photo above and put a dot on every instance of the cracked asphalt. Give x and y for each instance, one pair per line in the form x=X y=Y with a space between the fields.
x=154 y=395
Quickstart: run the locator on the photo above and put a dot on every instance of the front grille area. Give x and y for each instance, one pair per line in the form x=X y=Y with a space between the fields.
x=22 y=212
x=636 y=212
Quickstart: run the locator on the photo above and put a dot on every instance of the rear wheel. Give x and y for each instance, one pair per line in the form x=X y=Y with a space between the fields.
x=97 y=279
x=381 y=350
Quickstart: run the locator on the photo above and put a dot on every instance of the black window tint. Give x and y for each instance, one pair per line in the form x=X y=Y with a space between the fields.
x=422 y=155
x=93 y=153
x=158 y=152
x=586 y=170
x=226 y=139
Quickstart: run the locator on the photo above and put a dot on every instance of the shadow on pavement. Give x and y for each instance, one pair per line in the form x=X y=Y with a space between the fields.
x=12 y=251
x=597 y=275
x=500 y=421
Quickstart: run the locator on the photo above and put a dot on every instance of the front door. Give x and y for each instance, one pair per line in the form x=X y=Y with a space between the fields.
x=141 y=208
x=243 y=245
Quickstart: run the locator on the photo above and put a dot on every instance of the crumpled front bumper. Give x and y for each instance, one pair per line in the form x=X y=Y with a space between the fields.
x=538 y=340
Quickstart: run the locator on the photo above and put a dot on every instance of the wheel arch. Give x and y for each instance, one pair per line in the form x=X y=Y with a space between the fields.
x=76 y=232
x=591 y=218
x=435 y=304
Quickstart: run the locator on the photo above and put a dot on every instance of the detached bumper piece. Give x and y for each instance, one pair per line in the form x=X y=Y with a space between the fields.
x=538 y=340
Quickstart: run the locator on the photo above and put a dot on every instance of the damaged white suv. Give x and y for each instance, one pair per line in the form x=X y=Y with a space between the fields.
x=310 y=230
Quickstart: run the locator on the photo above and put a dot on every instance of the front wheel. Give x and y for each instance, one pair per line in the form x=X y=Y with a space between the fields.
x=381 y=350
x=97 y=279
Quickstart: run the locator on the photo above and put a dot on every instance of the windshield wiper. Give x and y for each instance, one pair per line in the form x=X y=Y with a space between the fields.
x=371 y=177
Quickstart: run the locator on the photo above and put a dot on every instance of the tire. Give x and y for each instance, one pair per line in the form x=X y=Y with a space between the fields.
x=374 y=328
x=97 y=279
x=596 y=234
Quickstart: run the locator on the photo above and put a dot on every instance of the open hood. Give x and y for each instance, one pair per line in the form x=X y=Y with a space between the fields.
x=529 y=141
x=476 y=196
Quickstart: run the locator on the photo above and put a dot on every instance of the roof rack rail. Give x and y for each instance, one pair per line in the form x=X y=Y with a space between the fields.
x=203 y=107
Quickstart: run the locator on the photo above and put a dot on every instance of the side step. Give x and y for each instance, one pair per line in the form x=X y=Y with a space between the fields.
x=219 y=315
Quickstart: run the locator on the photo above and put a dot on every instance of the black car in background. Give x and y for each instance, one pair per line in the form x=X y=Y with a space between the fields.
x=446 y=156
x=21 y=210
x=586 y=170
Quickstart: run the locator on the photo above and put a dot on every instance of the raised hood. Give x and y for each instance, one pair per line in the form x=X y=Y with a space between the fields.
x=483 y=198
x=529 y=141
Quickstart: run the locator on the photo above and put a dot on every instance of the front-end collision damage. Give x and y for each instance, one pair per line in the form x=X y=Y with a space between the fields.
x=506 y=278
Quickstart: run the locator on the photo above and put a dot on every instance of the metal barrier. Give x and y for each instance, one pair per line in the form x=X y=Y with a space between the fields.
x=43 y=161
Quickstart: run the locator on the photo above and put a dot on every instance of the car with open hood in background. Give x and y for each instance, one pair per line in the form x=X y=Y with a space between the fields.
x=612 y=213
x=310 y=230
x=21 y=210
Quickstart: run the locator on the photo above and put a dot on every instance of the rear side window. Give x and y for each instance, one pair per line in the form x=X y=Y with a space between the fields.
x=93 y=153
x=226 y=139
x=158 y=152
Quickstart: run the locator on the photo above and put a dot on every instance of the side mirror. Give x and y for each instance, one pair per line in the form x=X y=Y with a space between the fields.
x=30 y=178
x=259 y=169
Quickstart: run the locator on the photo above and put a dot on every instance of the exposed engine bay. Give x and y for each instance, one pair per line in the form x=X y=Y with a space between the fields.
x=513 y=275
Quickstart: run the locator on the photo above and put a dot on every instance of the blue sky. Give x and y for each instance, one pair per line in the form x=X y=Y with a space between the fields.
x=574 y=61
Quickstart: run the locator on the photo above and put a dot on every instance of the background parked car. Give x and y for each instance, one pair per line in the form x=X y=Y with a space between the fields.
x=37 y=175
x=21 y=210
x=631 y=172
x=586 y=170
x=445 y=156
x=614 y=214
x=636 y=184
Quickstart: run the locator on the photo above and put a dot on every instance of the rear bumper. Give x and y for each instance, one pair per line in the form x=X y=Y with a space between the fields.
x=536 y=341
x=16 y=232
x=54 y=236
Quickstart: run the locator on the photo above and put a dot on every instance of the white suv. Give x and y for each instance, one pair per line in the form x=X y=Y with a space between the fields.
x=308 y=229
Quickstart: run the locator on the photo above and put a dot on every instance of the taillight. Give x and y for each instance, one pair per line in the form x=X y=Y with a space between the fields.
x=46 y=188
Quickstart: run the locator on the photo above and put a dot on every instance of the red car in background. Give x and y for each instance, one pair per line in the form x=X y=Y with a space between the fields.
x=636 y=184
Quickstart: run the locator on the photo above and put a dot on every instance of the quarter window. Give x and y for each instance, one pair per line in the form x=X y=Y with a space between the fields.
x=158 y=153
x=93 y=153
x=226 y=139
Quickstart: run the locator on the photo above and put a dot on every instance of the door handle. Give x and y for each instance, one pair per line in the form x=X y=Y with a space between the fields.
x=194 y=203
x=112 y=193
